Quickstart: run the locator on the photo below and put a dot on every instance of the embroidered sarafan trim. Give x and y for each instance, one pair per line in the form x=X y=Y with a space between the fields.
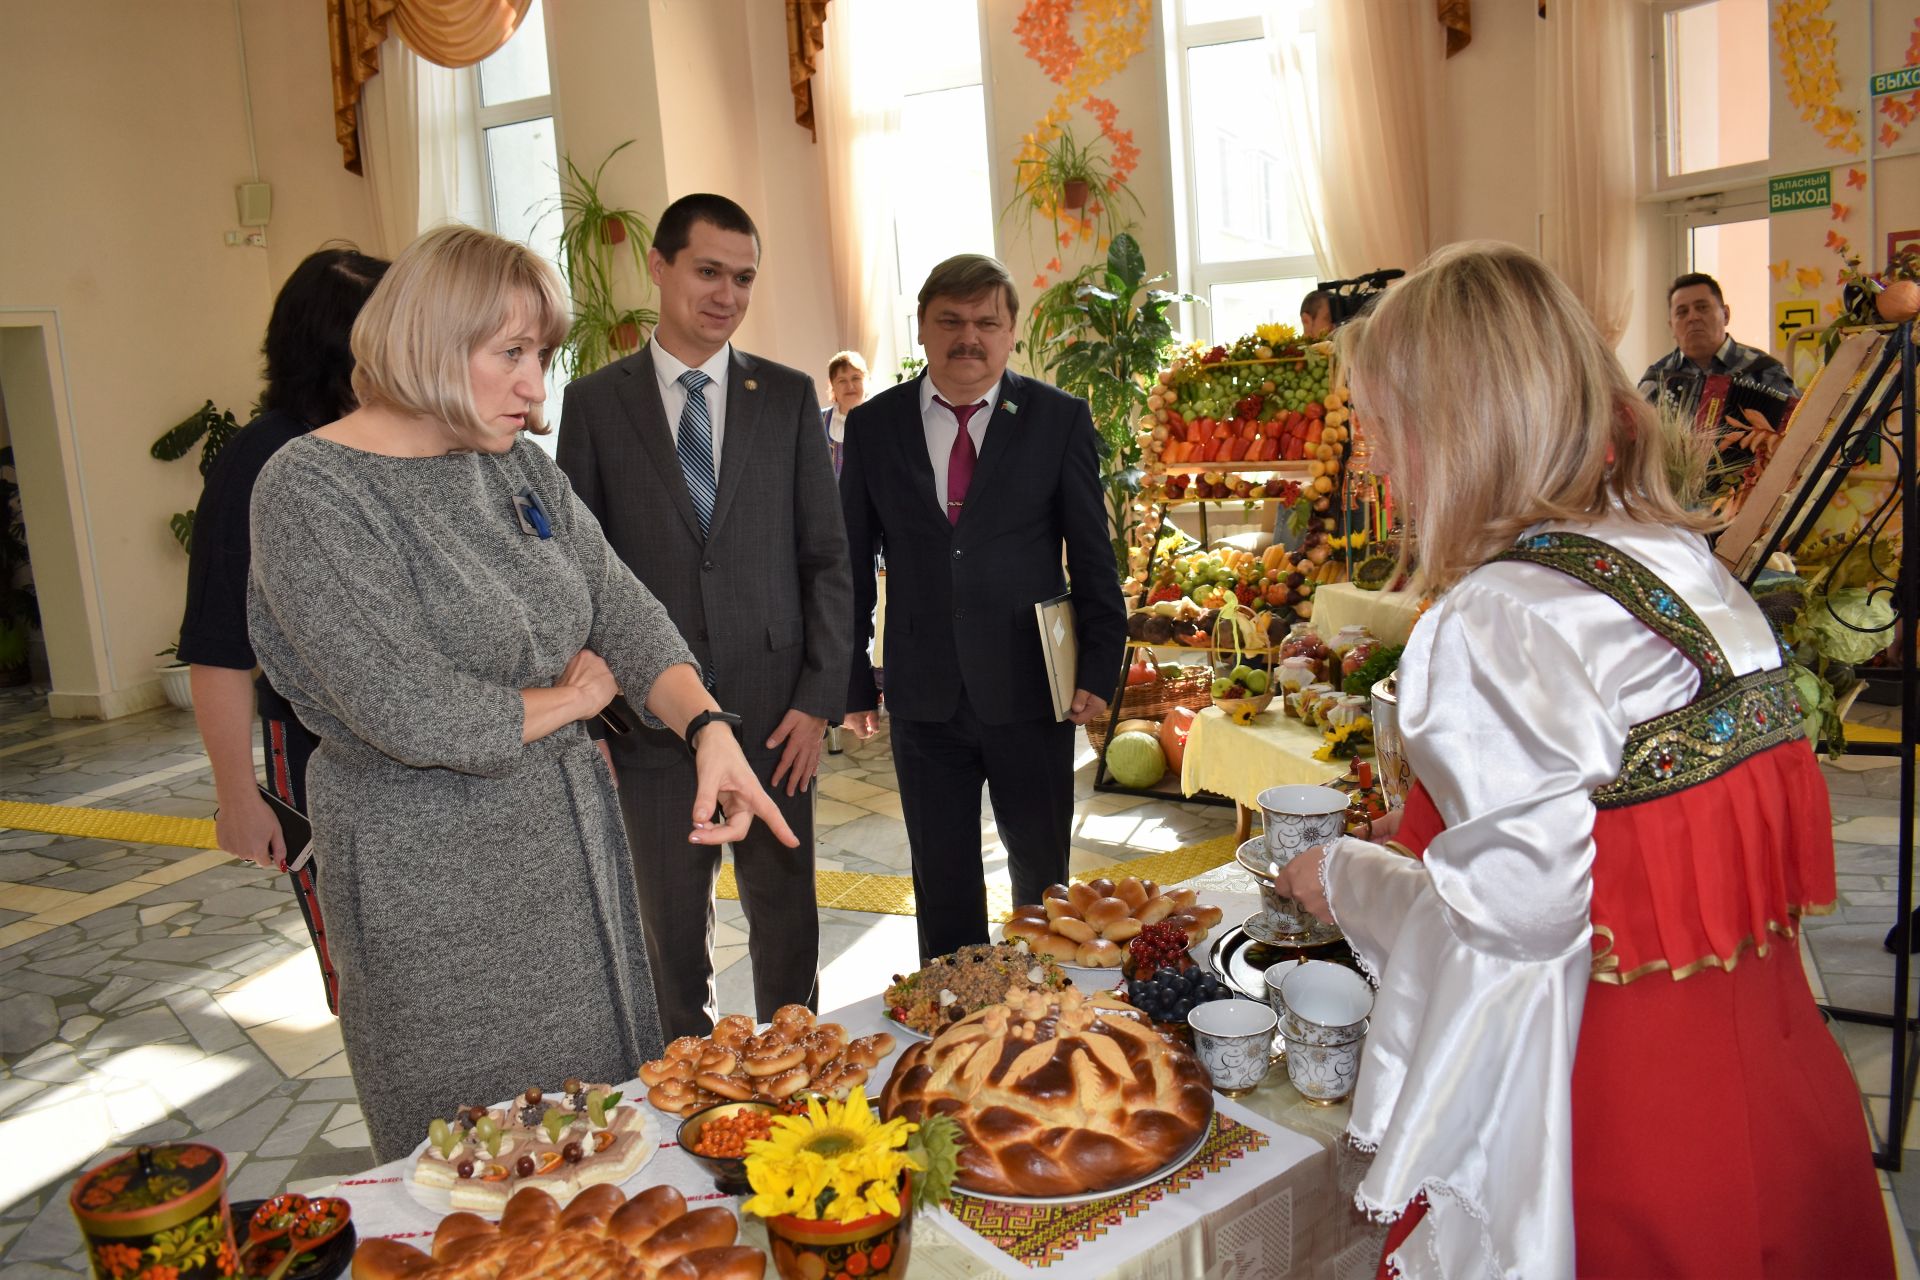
x=1732 y=719
x=1704 y=739
x=1633 y=587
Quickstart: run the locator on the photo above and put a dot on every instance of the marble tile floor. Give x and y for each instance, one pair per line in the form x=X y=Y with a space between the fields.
x=149 y=993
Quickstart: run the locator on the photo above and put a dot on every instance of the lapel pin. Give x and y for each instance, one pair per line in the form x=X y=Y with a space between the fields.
x=1010 y=406
x=752 y=385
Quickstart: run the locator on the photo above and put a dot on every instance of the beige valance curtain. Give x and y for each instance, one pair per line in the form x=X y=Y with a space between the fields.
x=805 y=38
x=450 y=33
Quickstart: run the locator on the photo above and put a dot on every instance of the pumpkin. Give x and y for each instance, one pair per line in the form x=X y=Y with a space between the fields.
x=1173 y=735
x=1899 y=301
x=1136 y=760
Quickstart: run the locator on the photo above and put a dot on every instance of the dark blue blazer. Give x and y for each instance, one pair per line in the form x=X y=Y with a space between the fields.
x=960 y=596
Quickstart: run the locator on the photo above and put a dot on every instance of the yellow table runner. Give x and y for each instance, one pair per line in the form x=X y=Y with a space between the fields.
x=1241 y=761
x=1390 y=615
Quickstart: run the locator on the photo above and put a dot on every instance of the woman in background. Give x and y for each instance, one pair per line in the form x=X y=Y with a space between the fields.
x=847 y=381
x=431 y=597
x=309 y=383
x=1617 y=827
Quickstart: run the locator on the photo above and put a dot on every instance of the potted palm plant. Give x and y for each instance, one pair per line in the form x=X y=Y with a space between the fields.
x=595 y=239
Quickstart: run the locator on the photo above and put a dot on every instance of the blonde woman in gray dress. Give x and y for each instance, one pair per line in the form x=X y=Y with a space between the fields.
x=431 y=598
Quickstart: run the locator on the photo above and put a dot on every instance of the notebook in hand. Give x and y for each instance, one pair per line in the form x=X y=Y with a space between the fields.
x=1059 y=650
x=295 y=831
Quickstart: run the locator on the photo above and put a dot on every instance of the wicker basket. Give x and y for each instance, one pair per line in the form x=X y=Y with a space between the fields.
x=1152 y=701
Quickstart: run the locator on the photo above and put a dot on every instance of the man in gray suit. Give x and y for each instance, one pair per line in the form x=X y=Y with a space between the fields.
x=709 y=472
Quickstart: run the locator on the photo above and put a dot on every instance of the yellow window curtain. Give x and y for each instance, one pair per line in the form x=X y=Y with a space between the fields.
x=805 y=18
x=451 y=33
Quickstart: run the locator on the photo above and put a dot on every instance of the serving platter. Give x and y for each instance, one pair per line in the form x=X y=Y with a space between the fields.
x=440 y=1199
x=1241 y=960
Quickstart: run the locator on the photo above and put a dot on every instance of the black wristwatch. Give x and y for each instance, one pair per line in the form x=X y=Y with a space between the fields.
x=705 y=718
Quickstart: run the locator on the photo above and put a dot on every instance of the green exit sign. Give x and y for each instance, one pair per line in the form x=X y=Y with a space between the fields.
x=1904 y=80
x=1800 y=191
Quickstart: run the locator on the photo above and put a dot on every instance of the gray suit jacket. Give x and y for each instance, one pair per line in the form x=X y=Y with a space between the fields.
x=765 y=600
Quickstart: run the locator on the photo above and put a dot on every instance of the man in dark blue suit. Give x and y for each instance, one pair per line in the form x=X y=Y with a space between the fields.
x=973 y=481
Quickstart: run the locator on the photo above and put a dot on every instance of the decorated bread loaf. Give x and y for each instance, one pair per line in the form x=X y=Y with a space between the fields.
x=1055 y=1094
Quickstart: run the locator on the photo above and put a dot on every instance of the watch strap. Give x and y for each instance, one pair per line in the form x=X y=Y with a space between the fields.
x=705 y=718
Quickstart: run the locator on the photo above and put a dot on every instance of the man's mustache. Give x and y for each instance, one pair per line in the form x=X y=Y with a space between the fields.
x=964 y=351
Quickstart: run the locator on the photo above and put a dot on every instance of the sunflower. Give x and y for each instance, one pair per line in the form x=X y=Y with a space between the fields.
x=839 y=1161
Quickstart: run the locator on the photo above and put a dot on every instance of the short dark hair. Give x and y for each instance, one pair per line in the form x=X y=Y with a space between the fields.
x=675 y=228
x=1691 y=279
x=967 y=276
x=309 y=347
x=1314 y=301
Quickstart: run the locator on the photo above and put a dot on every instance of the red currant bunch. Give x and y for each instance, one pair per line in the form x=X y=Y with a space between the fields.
x=1158 y=945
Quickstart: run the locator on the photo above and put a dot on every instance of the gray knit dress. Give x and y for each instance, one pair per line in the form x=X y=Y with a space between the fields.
x=478 y=894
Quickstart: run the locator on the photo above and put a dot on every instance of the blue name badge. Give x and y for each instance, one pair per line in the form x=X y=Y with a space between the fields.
x=533 y=520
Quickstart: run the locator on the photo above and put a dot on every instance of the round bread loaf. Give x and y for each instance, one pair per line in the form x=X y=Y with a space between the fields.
x=1055 y=1094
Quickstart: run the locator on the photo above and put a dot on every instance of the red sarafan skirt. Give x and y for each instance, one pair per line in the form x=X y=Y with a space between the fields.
x=1717 y=1131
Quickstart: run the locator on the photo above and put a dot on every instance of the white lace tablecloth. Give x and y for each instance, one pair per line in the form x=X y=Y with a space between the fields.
x=1282 y=1211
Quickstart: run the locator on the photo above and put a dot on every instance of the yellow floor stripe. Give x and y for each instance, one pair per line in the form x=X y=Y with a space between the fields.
x=1870 y=733
x=840 y=890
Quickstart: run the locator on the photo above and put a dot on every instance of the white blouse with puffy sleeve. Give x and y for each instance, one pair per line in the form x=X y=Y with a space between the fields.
x=1516 y=693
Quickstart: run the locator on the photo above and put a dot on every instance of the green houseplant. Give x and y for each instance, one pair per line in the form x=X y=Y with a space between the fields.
x=1102 y=334
x=1062 y=177
x=595 y=239
x=19 y=606
x=208 y=427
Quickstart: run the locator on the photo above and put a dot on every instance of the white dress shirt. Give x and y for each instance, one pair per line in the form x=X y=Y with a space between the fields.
x=942 y=427
x=668 y=368
x=1481 y=951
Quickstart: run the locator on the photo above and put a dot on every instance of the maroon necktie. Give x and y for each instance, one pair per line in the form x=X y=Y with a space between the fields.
x=960 y=461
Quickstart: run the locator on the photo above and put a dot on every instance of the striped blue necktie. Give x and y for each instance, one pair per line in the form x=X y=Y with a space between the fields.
x=695 y=447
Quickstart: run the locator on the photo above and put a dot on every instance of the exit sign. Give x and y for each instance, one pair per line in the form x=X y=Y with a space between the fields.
x=1800 y=191
x=1901 y=81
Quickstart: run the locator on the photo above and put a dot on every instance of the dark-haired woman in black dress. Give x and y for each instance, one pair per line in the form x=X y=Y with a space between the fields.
x=309 y=384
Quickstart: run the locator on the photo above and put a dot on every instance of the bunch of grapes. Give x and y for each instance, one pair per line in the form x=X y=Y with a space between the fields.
x=1169 y=995
x=1158 y=946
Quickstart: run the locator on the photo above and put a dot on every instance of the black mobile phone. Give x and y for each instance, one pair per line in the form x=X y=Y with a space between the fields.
x=295 y=831
x=616 y=716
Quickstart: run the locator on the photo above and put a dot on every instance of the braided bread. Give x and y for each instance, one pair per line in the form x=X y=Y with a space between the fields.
x=601 y=1236
x=1055 y=1093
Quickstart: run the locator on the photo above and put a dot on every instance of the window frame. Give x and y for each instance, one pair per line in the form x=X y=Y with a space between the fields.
x=1197 y=276
x=1700 y=182
x=516 y=111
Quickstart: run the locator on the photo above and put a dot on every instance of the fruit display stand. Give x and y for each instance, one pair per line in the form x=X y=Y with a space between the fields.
x=1260 y=422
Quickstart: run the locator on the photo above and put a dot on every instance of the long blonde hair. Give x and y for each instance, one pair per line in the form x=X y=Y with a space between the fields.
x=1494 y=405
x=448 y=292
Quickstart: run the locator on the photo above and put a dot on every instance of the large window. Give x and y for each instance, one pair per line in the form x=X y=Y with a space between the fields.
x=1246 y=250
x=1710 y=151
x=517 y=138
x=943 y=202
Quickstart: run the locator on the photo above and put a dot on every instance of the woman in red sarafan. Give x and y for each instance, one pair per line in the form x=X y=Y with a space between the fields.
x=1617 y=826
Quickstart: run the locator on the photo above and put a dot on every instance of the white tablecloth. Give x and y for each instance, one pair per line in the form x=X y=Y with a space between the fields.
x=1282 y=1211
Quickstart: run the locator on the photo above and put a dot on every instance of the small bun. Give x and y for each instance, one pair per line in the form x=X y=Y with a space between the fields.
x=1022 y=928
x=1182 y=898
x=1131 y=892
x=1155 y=910
x=1082 y=896
x=1100 y=954
x=1208 y=916
x=1102 y=886
x=1104 y=911
x=1029 y=911
x=1053 y=891
x=1122 y=929
x=1055 y=947
x=1078 y=930
x=1058 y=908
